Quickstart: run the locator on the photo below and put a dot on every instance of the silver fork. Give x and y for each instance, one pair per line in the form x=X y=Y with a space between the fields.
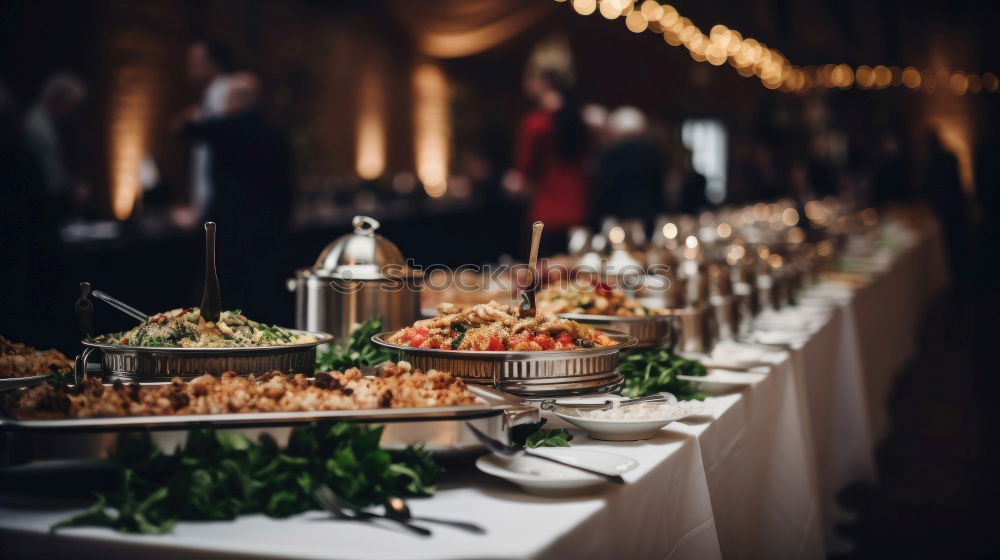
x=505 y=450
x=341 y=508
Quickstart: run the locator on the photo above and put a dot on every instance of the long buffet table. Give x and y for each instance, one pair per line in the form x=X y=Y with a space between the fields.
x=753 y=477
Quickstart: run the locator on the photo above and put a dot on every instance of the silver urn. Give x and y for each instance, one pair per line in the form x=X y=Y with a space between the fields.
x=358 y=276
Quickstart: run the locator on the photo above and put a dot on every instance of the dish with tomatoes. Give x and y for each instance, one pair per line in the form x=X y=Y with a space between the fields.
x=598 y=299
x=497 y=327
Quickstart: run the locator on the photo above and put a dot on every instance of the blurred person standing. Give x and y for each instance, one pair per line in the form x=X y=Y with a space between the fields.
x=629 y=178
x=943 y=188
x=694 y=186
x=32 y=260
x=60 y=97
x=210 y=64
x=891 y=183
x=251 y=174
x=550 y=155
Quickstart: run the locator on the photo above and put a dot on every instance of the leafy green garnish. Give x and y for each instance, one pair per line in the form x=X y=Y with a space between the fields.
x=220 y=475
x=532 y=435
x=274 y=333
x=549 y=438
x=461 y=329
x=649 y=371
x=360 y=350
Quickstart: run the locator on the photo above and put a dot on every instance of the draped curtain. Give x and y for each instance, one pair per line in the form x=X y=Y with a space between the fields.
x=459 y=28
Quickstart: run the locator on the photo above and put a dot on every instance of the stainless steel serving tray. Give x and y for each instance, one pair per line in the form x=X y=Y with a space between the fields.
x=151 y=364
x=441 y=429
x=529 y=374
x=650 y=332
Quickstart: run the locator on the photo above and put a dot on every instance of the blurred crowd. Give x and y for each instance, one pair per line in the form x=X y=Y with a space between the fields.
x=569 y=163
x=581 y=163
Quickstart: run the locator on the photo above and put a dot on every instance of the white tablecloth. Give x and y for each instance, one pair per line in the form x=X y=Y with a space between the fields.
x=755 y=477
x=663 y=512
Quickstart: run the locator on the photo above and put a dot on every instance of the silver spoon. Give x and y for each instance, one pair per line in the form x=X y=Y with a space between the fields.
x=340 y=508
x=664 y=397
x=505 y=450
x=211 y=299
x=396 y=508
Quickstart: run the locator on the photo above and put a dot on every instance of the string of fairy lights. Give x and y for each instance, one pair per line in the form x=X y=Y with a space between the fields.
x=752 y=58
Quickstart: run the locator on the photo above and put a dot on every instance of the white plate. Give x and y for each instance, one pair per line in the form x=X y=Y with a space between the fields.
x=722 y=381
x=538 y=476
x=622 y=429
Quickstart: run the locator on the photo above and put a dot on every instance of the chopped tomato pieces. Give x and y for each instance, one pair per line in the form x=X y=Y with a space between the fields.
x=602 y=289
x=418 y=339
x=545 y=341
x=495 y=344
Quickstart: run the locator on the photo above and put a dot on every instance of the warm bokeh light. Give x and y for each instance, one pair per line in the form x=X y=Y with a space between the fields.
x=616 y=235
x=431 y=127
x=790 y=217
x=958 y=83
x=651 y=10
x=370 y=156
x=752 y=58
x=609 y=10
x=864 y=77
x=130 y=115
x=670 y=231
x=990 y=82
x=636 y=22
x=796 y=235
x=911 y=77
x=585 y=7
x=882 y=76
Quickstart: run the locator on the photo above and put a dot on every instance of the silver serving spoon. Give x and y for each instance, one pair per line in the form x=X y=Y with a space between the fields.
x=396 y=508
x=527 y=306
x=86 y=289
x=211 y=299
x=504 y=450
x=663 y=397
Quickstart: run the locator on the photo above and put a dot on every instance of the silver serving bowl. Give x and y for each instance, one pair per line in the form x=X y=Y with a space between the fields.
x=148 y=363
x=650 y=332
x=528 y=373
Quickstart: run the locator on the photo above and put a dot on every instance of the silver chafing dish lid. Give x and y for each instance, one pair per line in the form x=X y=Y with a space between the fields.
x=361 y=255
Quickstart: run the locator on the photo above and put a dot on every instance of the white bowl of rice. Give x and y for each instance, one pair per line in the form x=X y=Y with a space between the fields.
x=627 y=423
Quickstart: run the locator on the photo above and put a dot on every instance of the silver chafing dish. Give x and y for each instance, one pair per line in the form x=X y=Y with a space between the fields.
x=528 y=374
x=650 y=332
x=357 y=276
x=441 y=429
x=150 y=364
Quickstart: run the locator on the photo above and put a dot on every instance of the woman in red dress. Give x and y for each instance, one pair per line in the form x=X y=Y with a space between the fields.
x=551 y=156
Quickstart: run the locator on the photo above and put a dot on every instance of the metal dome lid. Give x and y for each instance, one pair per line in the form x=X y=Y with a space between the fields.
x=362 y=255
